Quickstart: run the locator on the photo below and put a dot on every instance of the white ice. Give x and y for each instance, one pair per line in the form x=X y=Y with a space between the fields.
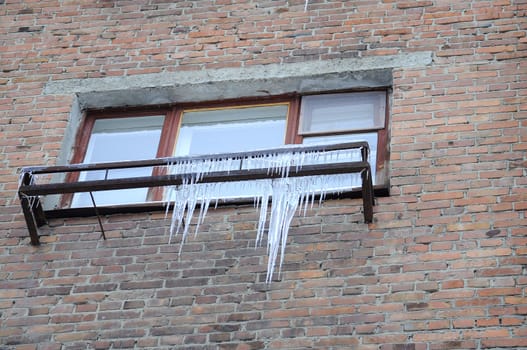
x=286 y=195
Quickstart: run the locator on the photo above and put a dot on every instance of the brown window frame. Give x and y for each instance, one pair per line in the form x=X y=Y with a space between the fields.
x=383 y=151
x=173 y=116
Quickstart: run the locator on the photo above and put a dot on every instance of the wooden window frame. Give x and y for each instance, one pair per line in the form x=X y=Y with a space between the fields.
x=86 y=128
x=173 y=118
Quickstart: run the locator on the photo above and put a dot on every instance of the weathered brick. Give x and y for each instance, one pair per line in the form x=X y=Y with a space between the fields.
x=429 y=273
x=141 y=284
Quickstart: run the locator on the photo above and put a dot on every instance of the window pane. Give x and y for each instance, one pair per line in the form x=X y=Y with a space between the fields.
x=231 y=130
x=120 y=139
x=343 y=112
x=370 y=137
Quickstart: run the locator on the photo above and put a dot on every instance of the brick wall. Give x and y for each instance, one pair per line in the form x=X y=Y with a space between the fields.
x=443 y=265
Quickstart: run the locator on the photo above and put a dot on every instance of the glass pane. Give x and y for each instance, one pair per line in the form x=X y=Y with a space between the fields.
x=342 y=112
x=370 y=137
x=231 y=130
x=120 y=139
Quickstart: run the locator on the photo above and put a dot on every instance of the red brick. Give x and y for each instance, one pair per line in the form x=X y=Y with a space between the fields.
x=510 y=342
x=499 y=291
x=434 y=337
x=424 y=267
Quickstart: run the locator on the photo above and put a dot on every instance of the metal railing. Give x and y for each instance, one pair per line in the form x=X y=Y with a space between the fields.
x=30 y=191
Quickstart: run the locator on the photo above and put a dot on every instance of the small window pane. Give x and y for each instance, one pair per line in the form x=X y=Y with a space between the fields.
x=343 y=112
x=231 y=130
x=120 y=139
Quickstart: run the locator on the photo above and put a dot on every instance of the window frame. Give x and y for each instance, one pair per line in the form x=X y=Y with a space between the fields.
x=382 y=133
x=291 y=117
x=86 y=129
x=174 y=115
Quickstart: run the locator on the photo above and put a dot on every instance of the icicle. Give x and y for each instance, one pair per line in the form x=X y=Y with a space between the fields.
x=191 y=207
x=273 y=236
x=288 y=194
x=298 y=162
x=256 y=201
x=284 y=166
x=322 y=195
x=288 y=163
x=204 y=201
x=270 y=164
x=263 y=215
x=286 y=199
x=177 y=214
x=292 y=205
x=168 y=194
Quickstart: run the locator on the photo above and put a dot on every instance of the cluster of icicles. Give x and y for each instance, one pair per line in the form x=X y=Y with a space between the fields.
x=286 y=194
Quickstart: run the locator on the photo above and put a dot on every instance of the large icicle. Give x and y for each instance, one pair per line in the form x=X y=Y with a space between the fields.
x=286 y=194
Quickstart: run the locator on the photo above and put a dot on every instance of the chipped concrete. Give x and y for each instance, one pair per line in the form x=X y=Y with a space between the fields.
x=217 y=84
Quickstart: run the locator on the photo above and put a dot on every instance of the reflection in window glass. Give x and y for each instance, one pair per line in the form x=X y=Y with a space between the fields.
x=120 y=139
x=231 y=130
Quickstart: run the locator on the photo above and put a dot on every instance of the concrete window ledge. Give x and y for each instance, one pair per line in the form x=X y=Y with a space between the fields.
x=229 y=83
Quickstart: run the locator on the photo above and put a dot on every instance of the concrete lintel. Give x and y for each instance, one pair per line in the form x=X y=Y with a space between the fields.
x=215 y=84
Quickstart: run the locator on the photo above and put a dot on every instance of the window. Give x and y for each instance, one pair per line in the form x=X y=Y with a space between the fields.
x=345 y=117
x=232 y=129
x=208 y=128
x=116 y=139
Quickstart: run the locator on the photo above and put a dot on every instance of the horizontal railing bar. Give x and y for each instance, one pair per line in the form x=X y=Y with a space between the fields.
x=170 y=160
x=55 y=213
x=177 y=179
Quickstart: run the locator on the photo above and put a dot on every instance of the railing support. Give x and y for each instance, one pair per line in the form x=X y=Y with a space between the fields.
x=32 y=209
